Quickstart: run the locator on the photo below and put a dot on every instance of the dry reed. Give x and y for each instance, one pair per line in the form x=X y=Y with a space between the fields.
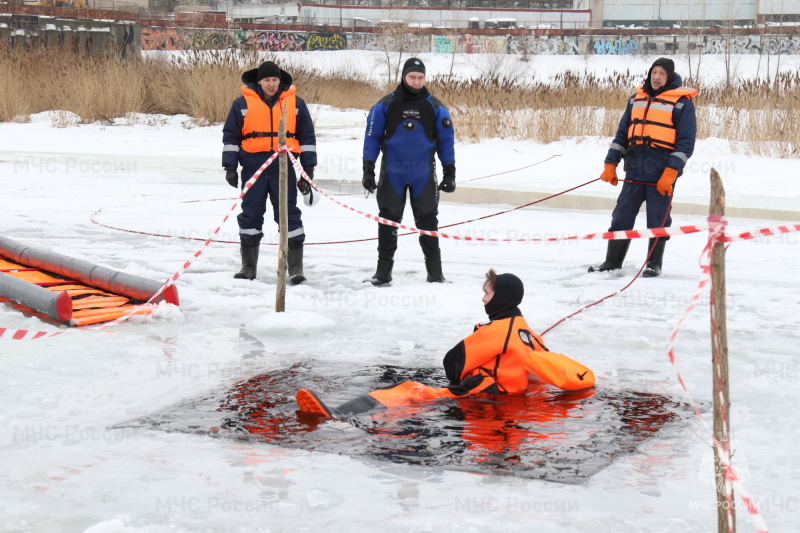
x=755 y=116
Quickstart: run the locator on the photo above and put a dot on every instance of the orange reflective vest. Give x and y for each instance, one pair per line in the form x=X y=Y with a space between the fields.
x=261 y=117
x=651 y=117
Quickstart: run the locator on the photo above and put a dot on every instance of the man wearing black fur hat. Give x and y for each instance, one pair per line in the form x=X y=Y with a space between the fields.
x=656 y=138
x=409 y=126
x=250 y=137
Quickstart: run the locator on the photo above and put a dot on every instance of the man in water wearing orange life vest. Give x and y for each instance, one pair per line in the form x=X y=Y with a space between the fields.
x=496 y=358
x=249 y=138
x=655 y=138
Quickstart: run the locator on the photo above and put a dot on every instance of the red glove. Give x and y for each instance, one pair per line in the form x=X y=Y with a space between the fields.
x=609 y=174
x=666 y=180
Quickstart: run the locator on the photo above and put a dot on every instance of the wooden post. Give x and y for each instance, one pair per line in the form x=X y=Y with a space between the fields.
x=726 y=518
x=283 y=218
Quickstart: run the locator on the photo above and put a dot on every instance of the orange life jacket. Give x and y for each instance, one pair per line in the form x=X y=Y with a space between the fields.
x=498 y=350
x=261 y=117
x=521 y=351
x=651 y=117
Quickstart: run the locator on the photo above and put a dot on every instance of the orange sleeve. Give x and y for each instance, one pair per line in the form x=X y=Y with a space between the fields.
x=559 y=370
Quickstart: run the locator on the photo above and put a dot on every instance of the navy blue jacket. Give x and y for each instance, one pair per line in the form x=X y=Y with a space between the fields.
x=645 y=163
x=409 y=129
x=233 y=154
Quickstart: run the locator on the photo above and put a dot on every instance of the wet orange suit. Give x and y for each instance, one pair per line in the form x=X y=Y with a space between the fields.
x=497 y=358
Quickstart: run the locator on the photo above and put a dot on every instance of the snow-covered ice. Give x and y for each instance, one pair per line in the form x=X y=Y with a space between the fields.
x=64 y=468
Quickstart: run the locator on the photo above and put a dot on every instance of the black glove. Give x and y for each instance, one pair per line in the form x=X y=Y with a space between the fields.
x=232 y=177
x=368 y=181
x=448 y=183
x=302 y=184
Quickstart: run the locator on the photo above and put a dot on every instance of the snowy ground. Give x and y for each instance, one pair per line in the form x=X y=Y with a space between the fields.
x=64 y=470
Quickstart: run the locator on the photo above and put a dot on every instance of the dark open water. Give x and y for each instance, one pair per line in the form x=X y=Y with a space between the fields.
x=544 y=433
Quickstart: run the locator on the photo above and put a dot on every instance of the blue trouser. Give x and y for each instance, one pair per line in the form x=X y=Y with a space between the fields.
x=254 y=203
x=631 y=198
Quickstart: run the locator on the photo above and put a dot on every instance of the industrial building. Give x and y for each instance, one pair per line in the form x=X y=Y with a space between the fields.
x=575 y=14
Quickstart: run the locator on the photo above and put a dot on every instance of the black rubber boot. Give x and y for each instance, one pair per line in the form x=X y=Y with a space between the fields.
x=387 y=245
x=308 y=402
x=383 y=274
x=249 y=250
x=295 y=260
x=434 y=269
x=615 y=255
x=433 y=258
x=653 y=269
x=387 y=241
x=359 y=405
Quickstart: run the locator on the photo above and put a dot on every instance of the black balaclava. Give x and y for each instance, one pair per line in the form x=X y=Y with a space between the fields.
x=412 y=65
x=668 y=65
x=508 y=293
x=268 y=69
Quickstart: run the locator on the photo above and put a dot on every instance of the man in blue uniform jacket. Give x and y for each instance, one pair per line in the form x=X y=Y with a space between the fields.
x=409 y=126
x=249 y=138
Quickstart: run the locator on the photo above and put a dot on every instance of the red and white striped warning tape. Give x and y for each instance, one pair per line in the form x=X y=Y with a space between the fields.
x=763 y=232
x=208 y=241
x=21 y=334
x=24 y=335
x=608 y=235
x=17 y=334
x=716 y=234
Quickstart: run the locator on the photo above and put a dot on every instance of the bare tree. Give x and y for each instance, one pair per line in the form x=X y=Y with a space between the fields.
x=495 y=67
x=457 y=16
x=395 y=39
x=729 y=14
x=696 y=18
x=780 y=48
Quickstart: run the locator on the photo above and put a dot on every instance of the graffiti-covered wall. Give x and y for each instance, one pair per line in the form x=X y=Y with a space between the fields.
x=656 y=45
x=21 y=27
x=156 y=38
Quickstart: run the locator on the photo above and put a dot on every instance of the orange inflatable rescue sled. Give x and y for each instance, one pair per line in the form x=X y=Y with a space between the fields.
x=72 y=291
